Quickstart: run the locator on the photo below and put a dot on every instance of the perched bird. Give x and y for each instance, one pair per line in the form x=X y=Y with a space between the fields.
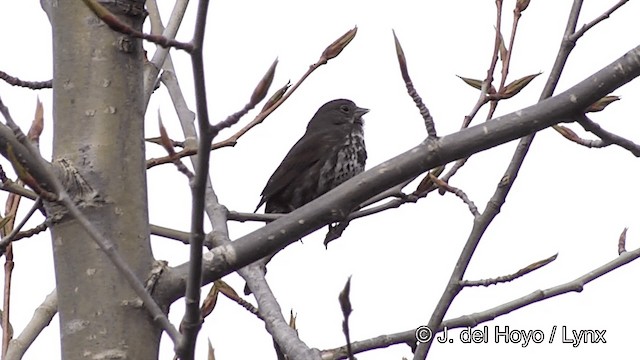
x=329 y=153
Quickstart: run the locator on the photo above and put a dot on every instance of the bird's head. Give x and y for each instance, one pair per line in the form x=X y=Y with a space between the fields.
x=339 y=112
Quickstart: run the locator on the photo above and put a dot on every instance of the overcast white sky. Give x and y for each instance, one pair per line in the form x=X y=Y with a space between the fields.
x=567 y=199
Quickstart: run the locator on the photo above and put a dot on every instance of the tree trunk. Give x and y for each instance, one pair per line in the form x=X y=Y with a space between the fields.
x=99 y=131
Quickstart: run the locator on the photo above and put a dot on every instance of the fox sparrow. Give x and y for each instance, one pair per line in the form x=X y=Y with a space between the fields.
x=329 y=153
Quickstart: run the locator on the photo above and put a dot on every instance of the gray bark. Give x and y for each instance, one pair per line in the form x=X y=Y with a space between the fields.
x=99 y=131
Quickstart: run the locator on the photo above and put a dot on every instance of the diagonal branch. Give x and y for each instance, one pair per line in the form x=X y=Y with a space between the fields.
x=11 y=236
x=335 y=204
x=161 y=55
x=605 y=15
x=409 y=336
x=607 y=136
x=116 y=25
x=218 y=215
x=34 y=85
x=493 y=206
x=37 y=165
x=279 y=97
x=481 y=223
x=507 y=278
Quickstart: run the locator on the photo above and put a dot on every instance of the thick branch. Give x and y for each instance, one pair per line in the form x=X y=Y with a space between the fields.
x=427 y=155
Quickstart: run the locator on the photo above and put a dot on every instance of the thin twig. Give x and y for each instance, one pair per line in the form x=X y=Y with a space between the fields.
x=29 y=233
x=506 y=60
x=268 y=305
x=34 y=85
x=9 y=238
x=409 y=336
x=219 y=286
x=168 y=146
x=156 y=140
x=264 y=113
x=607 y=136
x=106 y=245
x=572 y=136
x=482 y=222
x=411 y=90
x=169 y=233
x=424 y=188
x=428 y=154
x=507 y=278
x=14 y=188
x=486 y=89
x=605 y=15
x=161 y=55
x=571 y=39
x=259 y=93
x=116 y=25
x=457 y=192
x=242 y=217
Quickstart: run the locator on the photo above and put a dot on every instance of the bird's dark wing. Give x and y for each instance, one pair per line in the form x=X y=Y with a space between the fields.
x=310 y=149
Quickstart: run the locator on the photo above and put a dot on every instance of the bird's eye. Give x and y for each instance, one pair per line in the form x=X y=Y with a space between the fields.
x=344 y=108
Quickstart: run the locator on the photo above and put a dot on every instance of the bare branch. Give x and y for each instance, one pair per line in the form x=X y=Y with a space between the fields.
x=29 y=233
x=217 y=213
x=481 y=223
x=169 y=233
x=457 y=192
x=578 y=34
x=409 y=336
x=42 y=316
x=13 y=187
x=507 y=278
x=9 y=238
x=232 y=140
x=608 y=137
x=168 y=146
x=37 y=165
x=34 y=85
x=161 y=54
x=258 y=95
x=192 y=321
x=158 y=141
x=116 y=25
x=242 y=217
x=486 y=87
x=424 y=111
x=427 y=155
x=24 y=157
x=572 y=136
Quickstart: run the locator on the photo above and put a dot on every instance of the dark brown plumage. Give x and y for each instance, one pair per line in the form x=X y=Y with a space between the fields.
x=329 y=153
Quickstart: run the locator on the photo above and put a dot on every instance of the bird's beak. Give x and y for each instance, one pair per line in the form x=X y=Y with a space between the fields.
x=360 y=111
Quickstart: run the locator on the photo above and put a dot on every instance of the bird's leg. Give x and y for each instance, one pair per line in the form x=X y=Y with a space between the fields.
x=337 y=228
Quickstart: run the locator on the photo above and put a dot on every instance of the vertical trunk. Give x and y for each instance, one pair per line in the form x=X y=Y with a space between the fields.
x=98 y=129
